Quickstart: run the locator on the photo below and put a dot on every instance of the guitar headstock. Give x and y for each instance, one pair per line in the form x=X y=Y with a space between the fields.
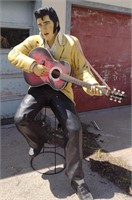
x=116 y=95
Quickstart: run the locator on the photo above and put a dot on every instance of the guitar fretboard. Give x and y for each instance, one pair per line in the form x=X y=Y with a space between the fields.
x=73 y=80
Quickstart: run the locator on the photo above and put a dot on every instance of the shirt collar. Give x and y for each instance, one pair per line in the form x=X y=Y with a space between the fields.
x=59 y=38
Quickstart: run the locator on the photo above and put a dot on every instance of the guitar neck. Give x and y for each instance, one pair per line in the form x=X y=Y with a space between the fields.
x=112 y=94
x=81 y=83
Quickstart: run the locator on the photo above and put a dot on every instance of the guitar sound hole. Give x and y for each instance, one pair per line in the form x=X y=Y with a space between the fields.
x=55 y=73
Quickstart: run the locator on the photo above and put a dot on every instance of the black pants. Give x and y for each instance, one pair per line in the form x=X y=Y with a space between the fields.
x=64 y=110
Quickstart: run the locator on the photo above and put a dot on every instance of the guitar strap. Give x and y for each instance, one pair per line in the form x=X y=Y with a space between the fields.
x=91 y=67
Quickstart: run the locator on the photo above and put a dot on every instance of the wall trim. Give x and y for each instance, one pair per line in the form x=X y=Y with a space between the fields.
x=68 y=17
x=101 y=6
x=37 y=5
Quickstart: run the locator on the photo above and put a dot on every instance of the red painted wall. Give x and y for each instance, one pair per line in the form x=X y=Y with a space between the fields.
x=106 y=41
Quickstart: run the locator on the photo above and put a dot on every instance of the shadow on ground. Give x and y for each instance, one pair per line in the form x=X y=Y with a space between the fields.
x=100 y=163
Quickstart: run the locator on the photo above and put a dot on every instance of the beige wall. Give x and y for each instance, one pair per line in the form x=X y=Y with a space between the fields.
x=60 y=8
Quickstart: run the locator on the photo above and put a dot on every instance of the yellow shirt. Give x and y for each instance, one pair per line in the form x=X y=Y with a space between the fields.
x=67 y=48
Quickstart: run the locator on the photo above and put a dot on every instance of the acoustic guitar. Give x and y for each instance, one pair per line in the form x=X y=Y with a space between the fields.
x=58 y=75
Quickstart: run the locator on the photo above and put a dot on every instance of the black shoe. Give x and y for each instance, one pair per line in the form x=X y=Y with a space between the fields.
x=34 y=152
x=82 y=191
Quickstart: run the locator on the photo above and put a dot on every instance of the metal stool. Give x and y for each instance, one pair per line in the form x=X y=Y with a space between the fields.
x=51 y=159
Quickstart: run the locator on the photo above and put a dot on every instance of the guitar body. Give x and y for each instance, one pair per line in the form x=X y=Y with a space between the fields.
x=54 y=69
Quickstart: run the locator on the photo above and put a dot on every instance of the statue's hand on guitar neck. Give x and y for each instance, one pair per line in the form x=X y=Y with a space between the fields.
x=96 y=90
x=39 y=69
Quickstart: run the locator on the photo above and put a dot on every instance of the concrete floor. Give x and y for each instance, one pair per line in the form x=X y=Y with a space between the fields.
x=20 y=182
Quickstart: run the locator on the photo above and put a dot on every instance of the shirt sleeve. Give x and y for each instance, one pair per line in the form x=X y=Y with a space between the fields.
x=18 y=56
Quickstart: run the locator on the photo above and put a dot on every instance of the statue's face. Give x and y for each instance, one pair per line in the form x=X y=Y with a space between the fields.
x=46 y=27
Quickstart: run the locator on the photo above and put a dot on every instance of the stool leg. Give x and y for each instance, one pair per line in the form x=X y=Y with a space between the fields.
x=55 y=156
x=55 y=145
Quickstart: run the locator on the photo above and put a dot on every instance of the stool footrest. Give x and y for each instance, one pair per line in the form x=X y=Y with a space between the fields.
x=55 y=168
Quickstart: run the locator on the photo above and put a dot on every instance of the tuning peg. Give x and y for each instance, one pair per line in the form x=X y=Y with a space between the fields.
x=119 y=101
x=111 y=99
x=113 y=91
x=118 y=91
x=122 y=92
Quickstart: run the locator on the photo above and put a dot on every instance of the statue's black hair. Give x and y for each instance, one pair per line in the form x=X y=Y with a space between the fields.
x=41 y=12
